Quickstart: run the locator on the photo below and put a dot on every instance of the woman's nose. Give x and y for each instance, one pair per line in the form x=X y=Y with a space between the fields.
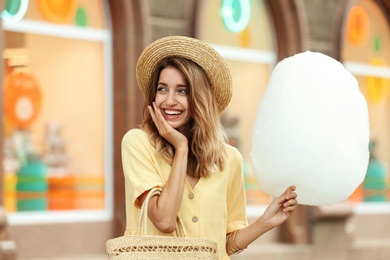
x=171 y=98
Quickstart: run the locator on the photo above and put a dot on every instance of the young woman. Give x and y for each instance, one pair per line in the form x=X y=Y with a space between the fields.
x=181 y=147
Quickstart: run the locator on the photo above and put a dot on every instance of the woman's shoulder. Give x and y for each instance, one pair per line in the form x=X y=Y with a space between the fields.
x=233 y=152
x=135 y=135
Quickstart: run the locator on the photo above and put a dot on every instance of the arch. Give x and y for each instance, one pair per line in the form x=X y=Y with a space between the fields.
x=128 y=34
x=385 y=5
x=289 y=22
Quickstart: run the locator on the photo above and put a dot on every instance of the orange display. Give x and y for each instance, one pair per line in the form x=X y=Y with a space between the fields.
x=22 y=98
x=245 y=38
x=58 y=11
x=61 y=194
x=377 y=88
x=358 y=26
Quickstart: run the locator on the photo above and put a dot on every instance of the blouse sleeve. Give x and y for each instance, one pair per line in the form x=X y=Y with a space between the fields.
x=139 y=165
x=236 y=200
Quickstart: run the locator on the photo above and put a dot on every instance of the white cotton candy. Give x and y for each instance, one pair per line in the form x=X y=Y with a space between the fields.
x=311 y=130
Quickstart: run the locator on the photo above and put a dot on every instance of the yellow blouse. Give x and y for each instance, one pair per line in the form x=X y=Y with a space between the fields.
x=216 y=206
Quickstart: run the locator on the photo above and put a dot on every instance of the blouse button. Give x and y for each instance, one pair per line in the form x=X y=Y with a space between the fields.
x=190 y=195
x=194 y=219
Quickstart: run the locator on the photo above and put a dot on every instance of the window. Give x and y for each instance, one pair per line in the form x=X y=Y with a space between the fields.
x=58 y=103
x=366 y=54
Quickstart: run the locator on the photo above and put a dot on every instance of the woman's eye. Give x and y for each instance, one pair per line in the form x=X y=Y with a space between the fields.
x=161 y=88
x=183 y=91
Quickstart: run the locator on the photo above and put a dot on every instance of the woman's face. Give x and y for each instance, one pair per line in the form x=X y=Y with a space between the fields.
x=172 y=98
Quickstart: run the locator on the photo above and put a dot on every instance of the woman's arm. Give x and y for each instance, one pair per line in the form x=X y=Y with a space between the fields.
x=163 y=209
x=276 y=213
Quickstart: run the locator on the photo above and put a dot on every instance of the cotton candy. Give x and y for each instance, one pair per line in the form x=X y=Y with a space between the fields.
x=311 y=130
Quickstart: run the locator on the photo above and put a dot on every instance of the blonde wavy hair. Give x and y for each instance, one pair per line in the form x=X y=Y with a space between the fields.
x=207 y=138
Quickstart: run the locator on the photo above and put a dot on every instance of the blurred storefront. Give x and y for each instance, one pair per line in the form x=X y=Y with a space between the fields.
x=365 y=52
x=57 y=89
x=69 y=95
x=57 y=118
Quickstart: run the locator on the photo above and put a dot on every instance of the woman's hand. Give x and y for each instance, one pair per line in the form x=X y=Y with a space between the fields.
x=170 y=134
x=276 y=213
x=280 y=208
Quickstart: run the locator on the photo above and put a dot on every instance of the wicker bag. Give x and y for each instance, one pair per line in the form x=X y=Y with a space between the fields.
x=143 y=246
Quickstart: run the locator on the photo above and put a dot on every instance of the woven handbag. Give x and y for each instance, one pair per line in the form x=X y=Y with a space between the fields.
x=142 y=246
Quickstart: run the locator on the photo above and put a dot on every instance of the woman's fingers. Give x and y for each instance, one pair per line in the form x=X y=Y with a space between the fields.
x=157 y=117
x=288 y=194
x=158 y=114
x=290 y=199
x=290 y=189
x=290 y=203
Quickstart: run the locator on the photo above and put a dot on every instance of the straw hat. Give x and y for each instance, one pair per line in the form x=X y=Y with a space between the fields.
x=192 y=49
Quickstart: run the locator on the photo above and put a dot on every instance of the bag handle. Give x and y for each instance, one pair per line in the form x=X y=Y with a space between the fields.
x=143 y=215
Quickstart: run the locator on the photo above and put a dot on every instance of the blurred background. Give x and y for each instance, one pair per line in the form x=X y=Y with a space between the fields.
x=69 y=96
